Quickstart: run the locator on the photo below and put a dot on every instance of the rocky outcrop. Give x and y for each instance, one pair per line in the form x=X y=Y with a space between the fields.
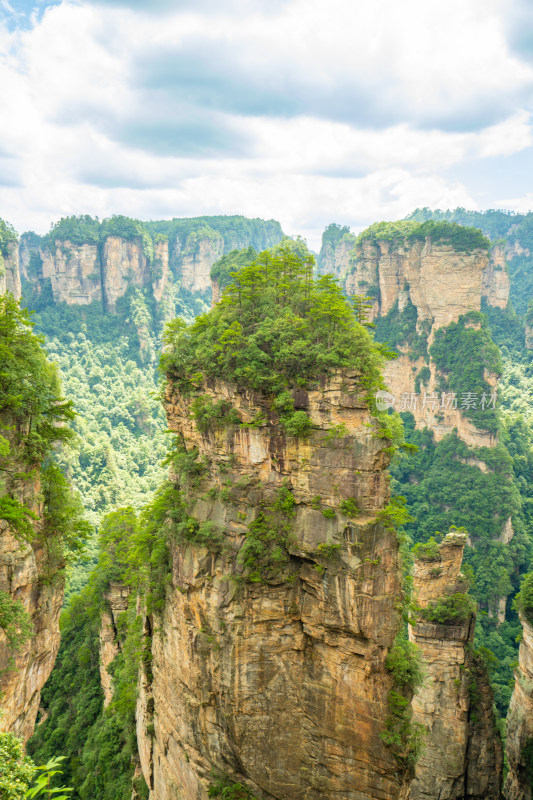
x=116 y=600
x=24 y=576
x=335 y=256
x=426 y=403
x=462 y=757
x=9 y=271
x=440 y=281
x=73 y=271
x=279 y=680
x=195 y=257
x=160 y=270
x=519 y=741
x=124 y=264
x=495 y=284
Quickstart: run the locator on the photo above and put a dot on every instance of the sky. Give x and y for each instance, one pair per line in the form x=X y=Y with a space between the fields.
x=305 y=111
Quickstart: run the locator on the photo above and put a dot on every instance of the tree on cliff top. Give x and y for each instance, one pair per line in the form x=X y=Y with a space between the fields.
x=275 y=327
x=460 y=238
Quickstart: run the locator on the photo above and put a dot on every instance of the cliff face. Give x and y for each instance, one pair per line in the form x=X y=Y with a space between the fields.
x=9 y=271
x=462 y=757
x=495 y=284
x=73 y=271
x=195 y=257
x=123 y=264
x=116 y=598
x=440 y=284
x=519 y=743
x=23 y=575
x=334 y=257
x=278 y=682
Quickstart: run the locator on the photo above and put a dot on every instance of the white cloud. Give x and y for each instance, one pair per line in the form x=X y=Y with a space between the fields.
x=311 y=113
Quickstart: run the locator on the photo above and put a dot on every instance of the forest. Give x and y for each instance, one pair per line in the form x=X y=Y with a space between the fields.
x=92 y=385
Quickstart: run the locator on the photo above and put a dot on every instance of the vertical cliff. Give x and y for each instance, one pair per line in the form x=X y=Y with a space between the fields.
x=268 y=659
x=462 y=757
x=116 y=603
x=194 y=257
x=37 y=512
x=86 y=261
x=73 y=271
x=278 y=680
x=519 y=742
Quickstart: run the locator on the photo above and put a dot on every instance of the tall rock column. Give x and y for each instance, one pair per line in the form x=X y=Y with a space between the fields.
x=462 y=757
x=24 y=577
x=273 y=671
x=519 y=743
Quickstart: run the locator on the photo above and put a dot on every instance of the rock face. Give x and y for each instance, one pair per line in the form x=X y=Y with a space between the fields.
x=9 y=271
x=80 y=274
x=116 y=597
x=462 y=757
x=73 y=271
x=335 y=257
x=123 y=264
x=278 y=682
x=519 y=743
x=441 y=282
x=23 y=574
x=495 y=285
x=195 y=258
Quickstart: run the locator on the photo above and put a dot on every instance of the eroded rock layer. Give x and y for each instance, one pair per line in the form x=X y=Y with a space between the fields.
x=278 y=681
x=462 y=754
x=25 y=576
x=519 y=742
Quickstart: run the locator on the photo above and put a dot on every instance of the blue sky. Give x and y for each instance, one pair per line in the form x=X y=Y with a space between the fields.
x=306 y=111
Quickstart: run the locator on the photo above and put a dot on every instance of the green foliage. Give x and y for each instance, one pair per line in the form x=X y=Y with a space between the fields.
x=460 y=238
x=524 y=599
x=78 y=230
x=43 y=781
x=16 y=769
x=236 y=231
x=209 y=415
x=264 y=553
x=422 y=377
x=350 y=507
x=120 y=423
x=223 y=270
x=100 y=744
x=224 y=789
x=399 y=330
x=274 y=328
x=455 y=609
x=7 y=234
x=463 y=354
x=401 y=735
x=15 y=622
x=427 y=551
x=404 y=663
x=30 y=397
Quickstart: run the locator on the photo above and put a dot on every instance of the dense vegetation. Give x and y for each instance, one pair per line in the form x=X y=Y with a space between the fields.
x=464 y=355
x=275 y=327
x=99 y=744
x=409 y=231
x=34 y=420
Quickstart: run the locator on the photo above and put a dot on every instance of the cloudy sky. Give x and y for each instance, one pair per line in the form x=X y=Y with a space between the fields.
x=306 y=111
